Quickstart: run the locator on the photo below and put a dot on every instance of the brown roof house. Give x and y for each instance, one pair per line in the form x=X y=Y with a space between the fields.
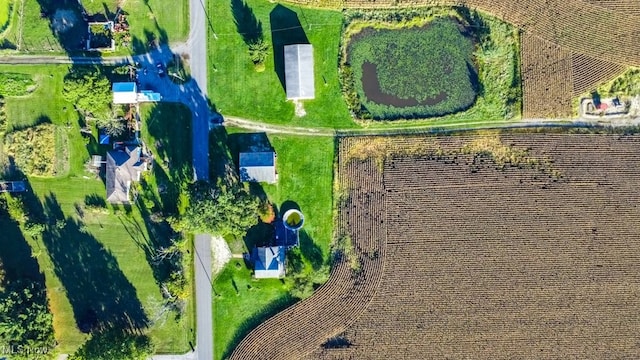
x=123 y=167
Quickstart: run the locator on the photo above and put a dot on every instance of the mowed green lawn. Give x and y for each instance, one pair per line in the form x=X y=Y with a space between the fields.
x=118 y=232
x=305 y=168
x=160 y=19
x=5 y=10
x=237 y=89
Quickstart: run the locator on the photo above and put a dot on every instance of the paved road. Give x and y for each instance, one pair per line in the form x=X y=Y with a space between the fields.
x=197 y=45
x=204 y=316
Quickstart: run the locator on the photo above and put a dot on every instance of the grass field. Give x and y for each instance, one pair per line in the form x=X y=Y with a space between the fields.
x=5 y=13
x=30 y=32
x=237 y=89
x=89 y=233
x=305 y=168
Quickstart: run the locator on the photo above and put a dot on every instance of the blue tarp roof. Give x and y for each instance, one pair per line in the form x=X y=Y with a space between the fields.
x=124 y=87
x=268 y=258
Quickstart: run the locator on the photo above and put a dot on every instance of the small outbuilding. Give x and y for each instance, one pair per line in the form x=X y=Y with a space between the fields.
x=298 y=71
x=258 y=167
x=125 y=93
x=268 y=262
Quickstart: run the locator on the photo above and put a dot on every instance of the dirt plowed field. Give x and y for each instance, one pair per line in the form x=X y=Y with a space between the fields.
x=519 y=246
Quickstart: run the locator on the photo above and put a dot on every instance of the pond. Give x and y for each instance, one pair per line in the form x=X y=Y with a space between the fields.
x=414 y=72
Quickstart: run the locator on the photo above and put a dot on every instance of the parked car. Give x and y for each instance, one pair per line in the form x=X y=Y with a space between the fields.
x=160 y=68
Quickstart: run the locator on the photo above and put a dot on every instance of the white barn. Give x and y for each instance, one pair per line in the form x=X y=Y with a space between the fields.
x=298 y=71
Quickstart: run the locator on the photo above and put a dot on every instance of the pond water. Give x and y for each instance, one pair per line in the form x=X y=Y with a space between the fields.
x=371 y=87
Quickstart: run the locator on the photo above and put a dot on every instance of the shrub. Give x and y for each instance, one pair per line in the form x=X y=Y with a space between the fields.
x=33 y=149
x=12 y=84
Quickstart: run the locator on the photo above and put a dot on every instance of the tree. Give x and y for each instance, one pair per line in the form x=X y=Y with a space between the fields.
x=89 y=90
x=258 y=51
x=111 y=126
x=225 y=210
x=25 y=319
x=115 y=344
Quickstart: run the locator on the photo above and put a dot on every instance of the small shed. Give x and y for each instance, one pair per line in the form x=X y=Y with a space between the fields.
x=298 y=71
x=268 y=262
x=258 y=167
x=125 y=93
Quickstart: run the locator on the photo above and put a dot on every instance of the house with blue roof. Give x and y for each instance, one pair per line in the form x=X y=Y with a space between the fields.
x=268 y=262
x=258 y=167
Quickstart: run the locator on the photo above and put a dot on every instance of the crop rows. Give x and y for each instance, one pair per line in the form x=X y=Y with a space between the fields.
x=552 y=76
x=488 y=261
x=546 y=78
x=303 y=327
x=623 y=7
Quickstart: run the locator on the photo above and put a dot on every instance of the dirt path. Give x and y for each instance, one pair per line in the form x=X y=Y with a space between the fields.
x=523 y=123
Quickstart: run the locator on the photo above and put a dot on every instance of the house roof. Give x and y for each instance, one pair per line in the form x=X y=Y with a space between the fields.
x=298 y=71
x=123 y=167
x=268 y=262
x=124 y=93
x=258 y=166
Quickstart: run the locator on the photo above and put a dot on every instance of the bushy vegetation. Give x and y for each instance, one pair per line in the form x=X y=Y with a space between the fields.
x=626 y=84
x=25 y=320
x=15 y=84
x=430 y=70
x=89 y=90
x=34 y=149
x=100 y=36
x=491 y=70
x=225 y=210
x=115 y=344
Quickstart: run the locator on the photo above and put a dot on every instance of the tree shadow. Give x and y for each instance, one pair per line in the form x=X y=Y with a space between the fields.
x=220 y=157
x=68 y=22
x=16 y=256
x=100 y=294
x=251 y=323
x=310 y=250
x=247 y=142
x=249 y=27
x=288 y=205
x=260 y=235
x=95 y=200
x=286 y=29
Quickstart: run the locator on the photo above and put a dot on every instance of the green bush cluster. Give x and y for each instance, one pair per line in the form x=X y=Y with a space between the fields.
x=33 y=149
x=432 y=65
x=13 y=84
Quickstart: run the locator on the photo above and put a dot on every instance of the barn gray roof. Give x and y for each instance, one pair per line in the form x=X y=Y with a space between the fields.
x=258 y=166
x=298 y=71
x=123 y=167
